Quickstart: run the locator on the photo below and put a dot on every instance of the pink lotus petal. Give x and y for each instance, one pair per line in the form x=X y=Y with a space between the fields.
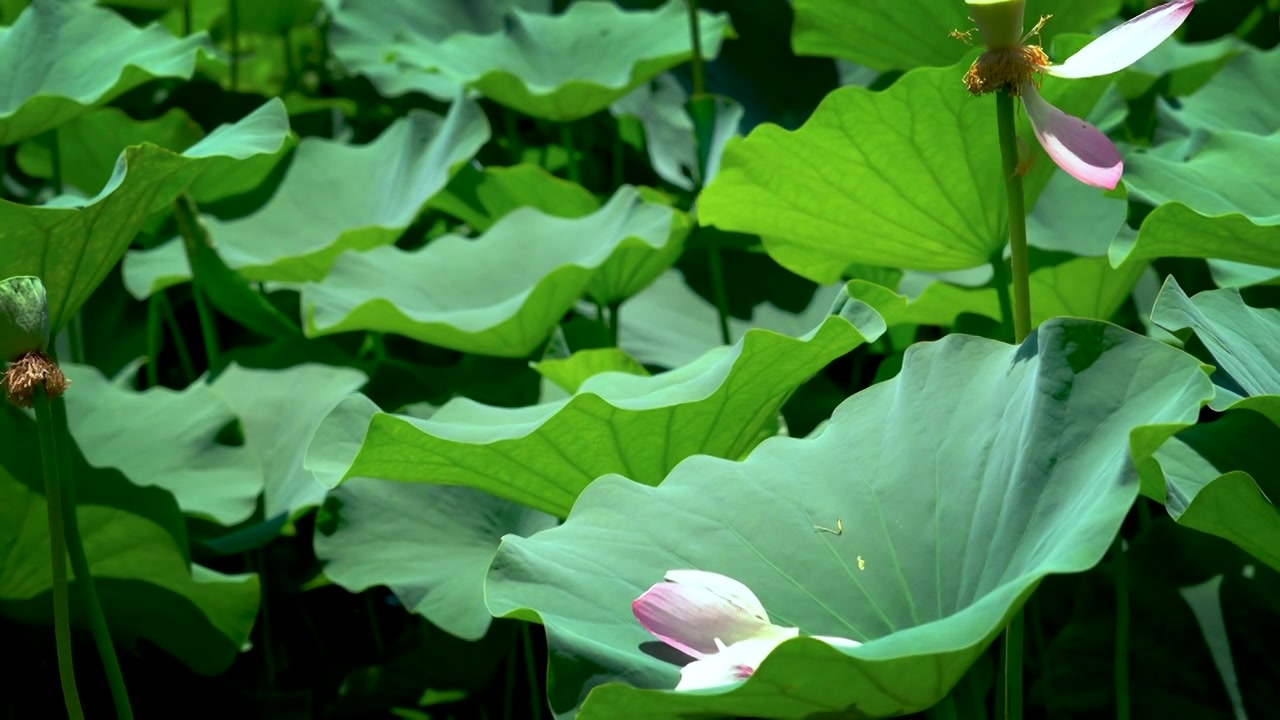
x=734 y=663
x=1125 y=44
x=696 y=609
x=1075 y=145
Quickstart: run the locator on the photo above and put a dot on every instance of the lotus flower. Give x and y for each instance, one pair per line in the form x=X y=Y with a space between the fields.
x=1010 y=65
x=716 y=620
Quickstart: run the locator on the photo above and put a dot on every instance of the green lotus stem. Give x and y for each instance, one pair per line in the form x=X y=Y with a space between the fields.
x=1005 y=121
x=695 y=37
x=235 y=43
x=1017 y=216
x=186 y=17
x=716 y=267
x=55 y=162
x=188 y=220
x=531 y=667
x=566 y=139
x=702 y=110
x=1011 y=700
x=1001 y=279
x=57 y=553
x=155 y=339
x=180 y=345
x=84 y=584
x=1122 y=630
x=614 y=332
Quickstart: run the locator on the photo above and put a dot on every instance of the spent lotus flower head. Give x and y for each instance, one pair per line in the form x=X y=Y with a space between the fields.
x=1011 y=64
x=717 y=621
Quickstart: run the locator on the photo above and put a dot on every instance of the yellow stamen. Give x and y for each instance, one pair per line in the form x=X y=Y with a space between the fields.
x=1005 y=69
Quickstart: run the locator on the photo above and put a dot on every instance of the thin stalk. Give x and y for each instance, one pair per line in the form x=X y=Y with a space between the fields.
x=619 y=151
x=702 y=110
x=695 y=37
x=155 y=340
x=57 y=554
x=508 y=697
x=566 y=139
x=716 y=266
x=511 y=124
x=171 y=322
x=375 y=631
x=1001 y=279
x=614 y=309
x=1017 y=217
x=291 y=72
x=235 y=44
x=945 y=710
x=186 y=215
x=84 y=585
x=531 y=671
x=186 y=17
x=1011 y=695
x=264 y=627
x=1122 y=630
x=55 y=162
x=75 y=338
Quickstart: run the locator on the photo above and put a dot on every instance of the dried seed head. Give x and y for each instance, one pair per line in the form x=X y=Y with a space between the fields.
x=1005 y=69
x=33 y=370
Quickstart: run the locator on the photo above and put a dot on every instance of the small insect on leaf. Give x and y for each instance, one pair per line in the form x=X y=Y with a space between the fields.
x=838 y=531
x=862 y=564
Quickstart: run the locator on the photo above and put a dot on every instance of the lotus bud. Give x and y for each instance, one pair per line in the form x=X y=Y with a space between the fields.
x=24 y=337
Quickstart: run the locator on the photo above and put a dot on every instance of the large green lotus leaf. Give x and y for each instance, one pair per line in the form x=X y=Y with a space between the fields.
x=89 y=145
x=1245 y=341
x=569 y=373
x=116 y=428
x=1230 y=101
x=1209 y=203
x=467 y=294
x=556 y=67
x=669 y=138
x=431 y=544
x=334 y=197
x=1187 y=67
x=904 y=34
x=1217 y=477
x=959 y=484
x=906 y=177
x=278 y=411
x=136 y=544
x=543 y=455
x=362 y=31
x=1085 y=287
x=669 y=325
x=62 y=58
x=73 y=243
x=480 y=197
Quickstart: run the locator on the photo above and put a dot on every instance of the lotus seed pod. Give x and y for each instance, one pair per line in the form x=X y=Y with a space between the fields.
x=999 y=21
x=24 y=317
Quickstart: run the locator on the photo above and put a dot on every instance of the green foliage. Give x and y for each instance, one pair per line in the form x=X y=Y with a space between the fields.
x=409 y=343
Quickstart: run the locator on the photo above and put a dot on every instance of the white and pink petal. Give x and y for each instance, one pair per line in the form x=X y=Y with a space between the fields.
x=695 y=610
x=1126 y=43
x=733 y=664
x=1074 y=145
